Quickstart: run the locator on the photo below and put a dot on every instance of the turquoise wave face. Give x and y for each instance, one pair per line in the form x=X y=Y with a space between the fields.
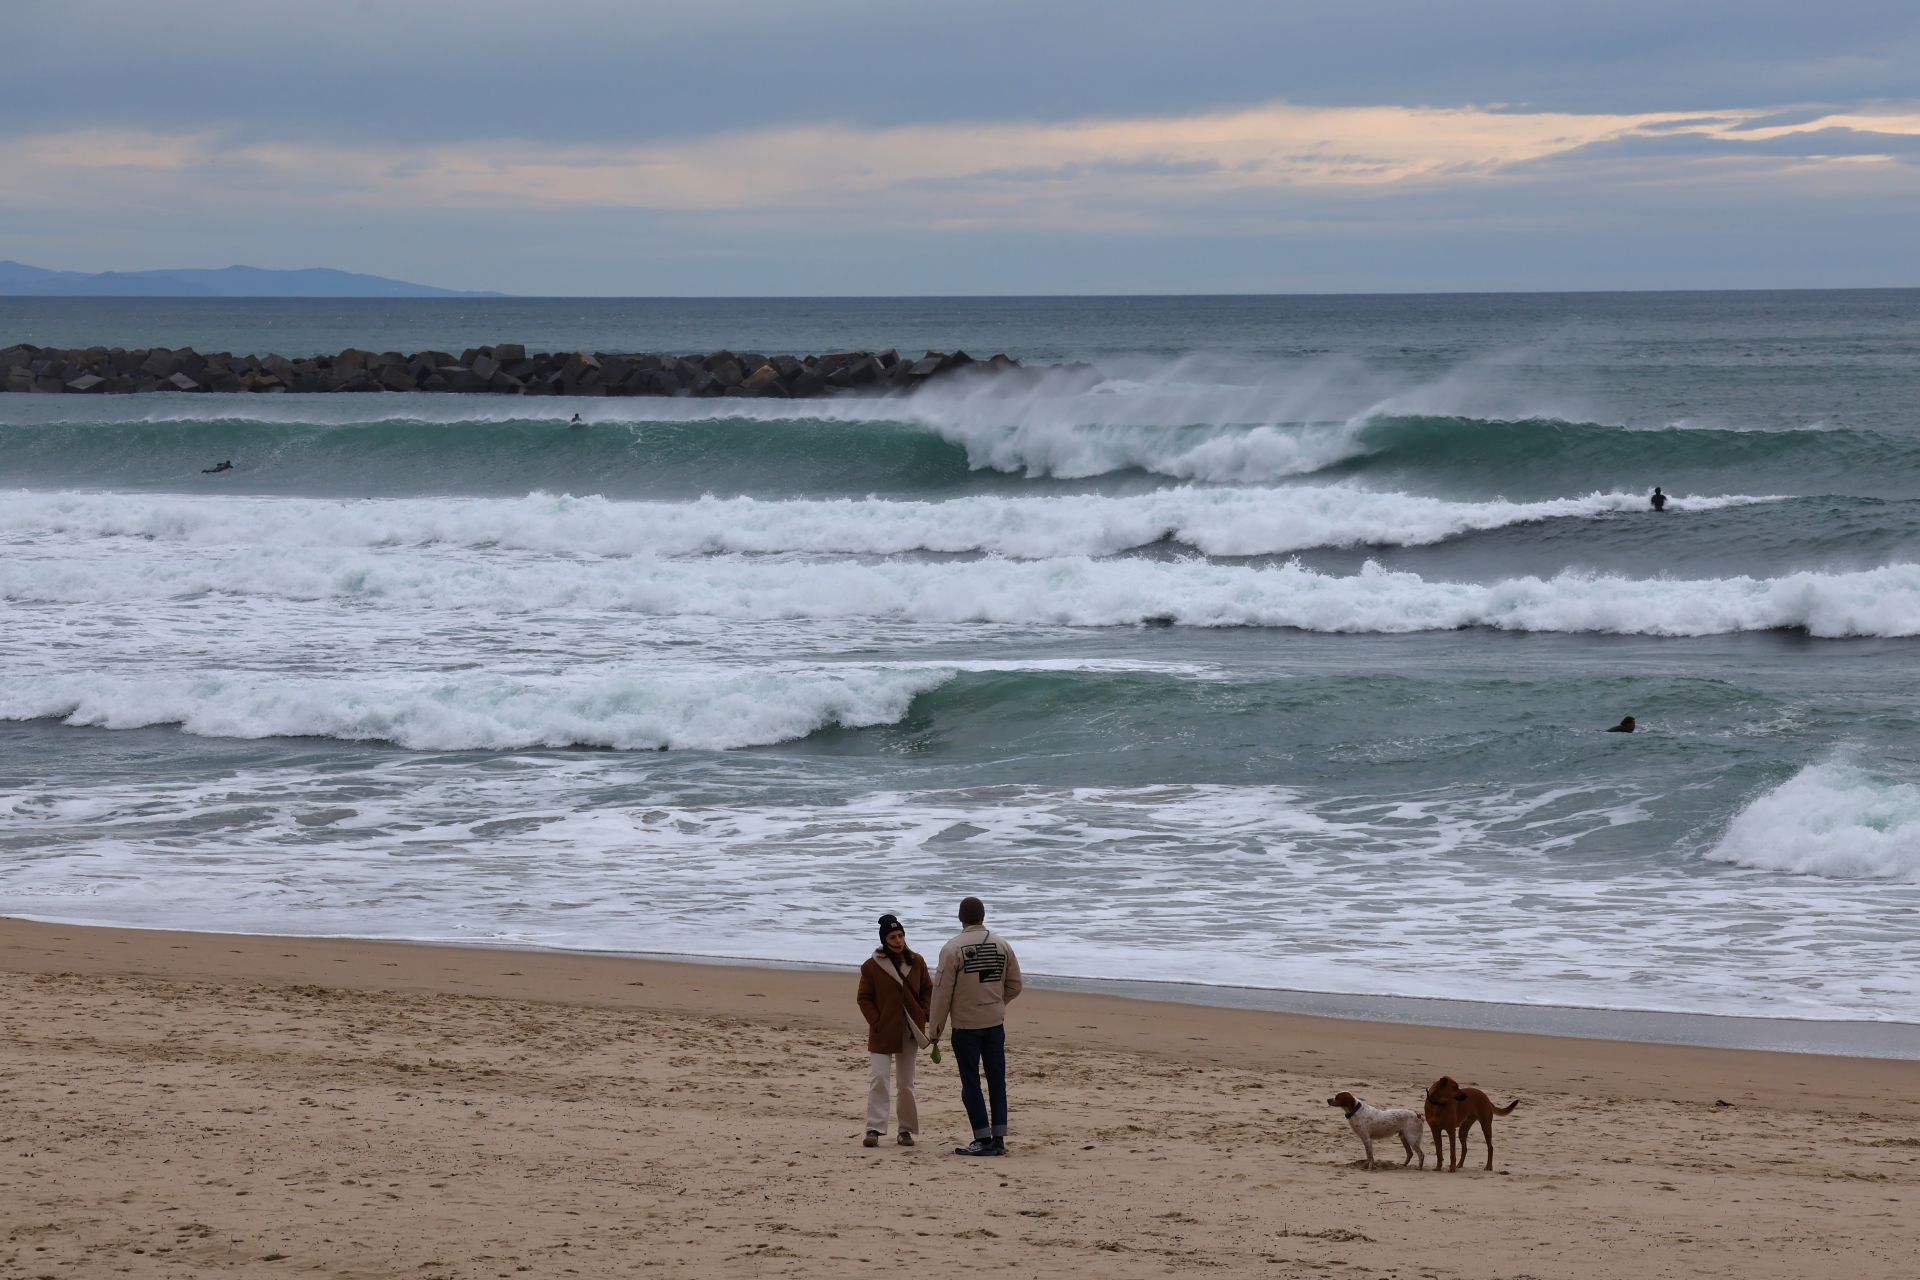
x=894 y=449
x=505 y=457
x=1542 y=456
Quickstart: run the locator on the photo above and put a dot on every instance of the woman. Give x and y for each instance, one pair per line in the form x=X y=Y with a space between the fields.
x=894 y=991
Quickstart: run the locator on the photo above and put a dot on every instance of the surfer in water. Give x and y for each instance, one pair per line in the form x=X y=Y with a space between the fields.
x=1626 y=725
x=1659 y=499
x=576 y=421
x=214 y=471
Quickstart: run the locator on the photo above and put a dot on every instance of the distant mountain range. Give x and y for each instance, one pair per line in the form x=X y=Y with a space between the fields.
x=19 y=280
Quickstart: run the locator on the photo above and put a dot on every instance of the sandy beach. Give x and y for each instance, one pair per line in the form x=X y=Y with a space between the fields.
x=177 y=1104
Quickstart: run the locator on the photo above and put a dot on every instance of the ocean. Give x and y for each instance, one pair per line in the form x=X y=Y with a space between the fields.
x=1279 y=658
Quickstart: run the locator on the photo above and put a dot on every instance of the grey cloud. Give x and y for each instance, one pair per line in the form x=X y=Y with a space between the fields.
x=1694 y=123
x=427 y=73
x=1572 y=235
x=1144 y=167
x=1807 y=143
x=593 y=70
x=1787 y=119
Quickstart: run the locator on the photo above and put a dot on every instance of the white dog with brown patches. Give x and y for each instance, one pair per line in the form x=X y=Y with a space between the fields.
x=1372 y=1122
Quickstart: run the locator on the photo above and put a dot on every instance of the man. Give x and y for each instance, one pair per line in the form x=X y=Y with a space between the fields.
x=979 y=975
x=1626 y=725
x=894 y=990
x=1659 y=499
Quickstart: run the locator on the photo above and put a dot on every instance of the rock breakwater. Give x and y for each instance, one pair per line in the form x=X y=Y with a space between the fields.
x=505 y=369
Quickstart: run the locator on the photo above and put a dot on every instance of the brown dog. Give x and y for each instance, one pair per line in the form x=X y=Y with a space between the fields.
x=1453 y=1109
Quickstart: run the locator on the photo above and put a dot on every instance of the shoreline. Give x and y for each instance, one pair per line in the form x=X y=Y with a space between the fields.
x=1839 y=1037
x=182 y=1104
x=26 y=947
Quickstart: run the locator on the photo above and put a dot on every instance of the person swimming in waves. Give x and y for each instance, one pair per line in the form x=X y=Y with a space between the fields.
x=1626 y=725
x=576 y=421
x=1659 y=499
x=214 y=471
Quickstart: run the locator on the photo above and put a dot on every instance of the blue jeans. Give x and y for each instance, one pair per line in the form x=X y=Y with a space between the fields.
x=972 y=1050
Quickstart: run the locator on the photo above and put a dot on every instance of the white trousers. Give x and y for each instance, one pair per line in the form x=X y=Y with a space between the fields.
x=900 y=1065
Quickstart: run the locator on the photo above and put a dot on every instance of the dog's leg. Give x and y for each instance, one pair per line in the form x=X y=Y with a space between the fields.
x=1409 y=1147
x=1367 y=1142
x=1486 y=1131
x=1438 y=1146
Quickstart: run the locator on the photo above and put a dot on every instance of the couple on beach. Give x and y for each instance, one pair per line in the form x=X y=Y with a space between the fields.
x=906 y=1009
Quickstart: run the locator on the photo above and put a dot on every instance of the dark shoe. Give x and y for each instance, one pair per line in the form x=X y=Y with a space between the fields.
x=872 y=1139
x=906 y=1139
x=999 y=1146
x=980 y=1147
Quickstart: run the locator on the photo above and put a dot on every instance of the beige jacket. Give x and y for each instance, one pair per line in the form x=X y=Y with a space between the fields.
x=978 y=976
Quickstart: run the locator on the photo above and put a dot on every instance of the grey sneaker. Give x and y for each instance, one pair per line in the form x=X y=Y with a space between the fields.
x=872 y=1139
x=906 y=1139
x=980 y=1147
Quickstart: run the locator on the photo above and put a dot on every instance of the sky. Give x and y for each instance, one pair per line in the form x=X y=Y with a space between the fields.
x=845 y=147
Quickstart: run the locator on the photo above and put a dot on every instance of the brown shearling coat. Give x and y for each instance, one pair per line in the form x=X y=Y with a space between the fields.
x=887 y=1001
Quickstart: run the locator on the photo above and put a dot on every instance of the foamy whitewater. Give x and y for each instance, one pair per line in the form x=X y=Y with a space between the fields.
x=1277 y=653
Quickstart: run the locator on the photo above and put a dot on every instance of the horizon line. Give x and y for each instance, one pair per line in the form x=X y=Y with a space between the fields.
x=465 y=296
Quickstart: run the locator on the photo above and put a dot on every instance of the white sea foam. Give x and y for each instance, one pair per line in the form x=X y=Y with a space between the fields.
x=1239 y=885
x=1222 y=522
x=1070 y=591
x=632 y=708
x=622 y=705
x=1834 y=820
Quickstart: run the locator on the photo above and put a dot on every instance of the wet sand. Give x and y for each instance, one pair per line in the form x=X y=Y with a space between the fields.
x=180 y=1104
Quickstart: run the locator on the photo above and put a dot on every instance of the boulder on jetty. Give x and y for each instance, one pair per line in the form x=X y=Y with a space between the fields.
x=505 y=369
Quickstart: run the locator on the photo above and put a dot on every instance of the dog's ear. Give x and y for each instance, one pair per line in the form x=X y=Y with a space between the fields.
x=1459 y=1097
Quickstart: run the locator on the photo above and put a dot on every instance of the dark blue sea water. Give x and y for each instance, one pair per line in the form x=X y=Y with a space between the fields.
x=1277 y=657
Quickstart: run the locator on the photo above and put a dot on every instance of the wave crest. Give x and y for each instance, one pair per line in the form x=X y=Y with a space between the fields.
x=1833 y=820
x=1071 y=591
x=1217 y=522
x=627 y=709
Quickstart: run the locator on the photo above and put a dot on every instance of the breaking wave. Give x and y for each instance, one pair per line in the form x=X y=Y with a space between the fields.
x=1834 y=820
x=630 y=709
x=929 y=444
x=1219 y=522
x=1069 y=591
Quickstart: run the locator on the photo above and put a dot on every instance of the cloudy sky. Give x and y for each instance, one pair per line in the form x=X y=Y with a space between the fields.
x=625 y=147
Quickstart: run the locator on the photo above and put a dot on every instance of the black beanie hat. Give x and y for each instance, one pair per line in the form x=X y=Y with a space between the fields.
x=888 y=923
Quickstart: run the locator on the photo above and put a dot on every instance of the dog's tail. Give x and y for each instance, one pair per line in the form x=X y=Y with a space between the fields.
x=1508 y=1109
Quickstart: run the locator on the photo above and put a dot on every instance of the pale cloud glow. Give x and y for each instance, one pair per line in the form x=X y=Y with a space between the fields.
x=869 y=146
x=1146 y=172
